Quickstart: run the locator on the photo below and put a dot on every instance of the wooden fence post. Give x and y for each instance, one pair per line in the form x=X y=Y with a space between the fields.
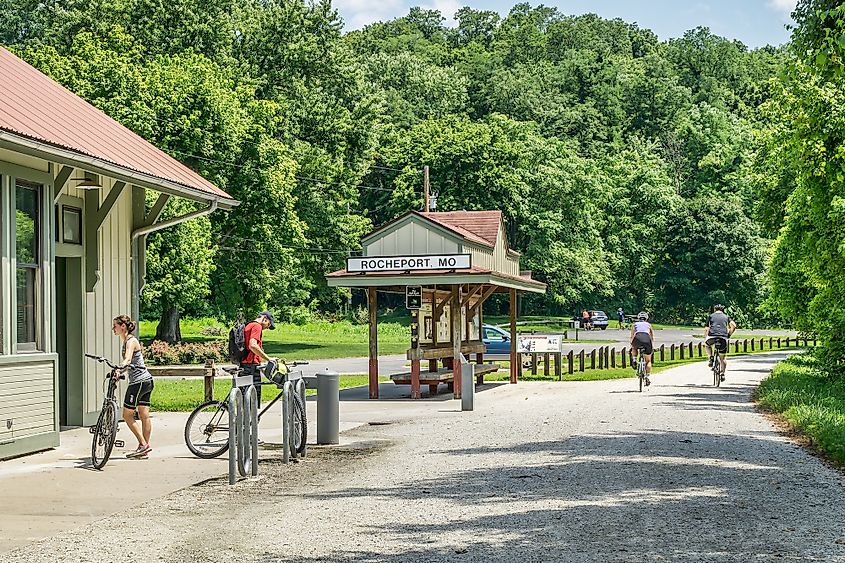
x=581 y=360
x=778 y=342
x=208 y=385
x=700 y=349
x=682 y=349
x=672 y=352
x=624 y=357
x=613 y=358
x=752 y=344
x=558 y=370
x=533 y=363
x=770 y=343
x=546 y=364
x=601 y=358
x=593 y=359
x=736 y=346
x=571 y=361
x=662 y=352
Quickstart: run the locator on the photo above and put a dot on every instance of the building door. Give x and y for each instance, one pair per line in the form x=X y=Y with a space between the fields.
x=69 y=339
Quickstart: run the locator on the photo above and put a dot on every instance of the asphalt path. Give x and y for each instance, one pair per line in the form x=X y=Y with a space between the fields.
x=547 y=471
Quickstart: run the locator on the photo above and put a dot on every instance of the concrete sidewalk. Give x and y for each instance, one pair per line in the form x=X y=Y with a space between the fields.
x=57 y=490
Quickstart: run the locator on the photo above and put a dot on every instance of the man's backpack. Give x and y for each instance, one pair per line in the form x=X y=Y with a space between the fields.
x=237 y=343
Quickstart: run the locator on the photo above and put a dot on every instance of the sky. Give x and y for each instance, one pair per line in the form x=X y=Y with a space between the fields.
x=754 y=22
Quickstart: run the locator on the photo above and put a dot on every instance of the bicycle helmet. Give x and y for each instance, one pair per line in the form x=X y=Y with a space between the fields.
x=642 y=316
x=719 y=307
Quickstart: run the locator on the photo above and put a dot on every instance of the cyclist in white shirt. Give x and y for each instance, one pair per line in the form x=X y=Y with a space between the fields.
x=642 y=341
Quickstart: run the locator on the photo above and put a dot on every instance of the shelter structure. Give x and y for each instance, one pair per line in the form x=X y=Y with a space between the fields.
x=73 y=221
x=447 y=264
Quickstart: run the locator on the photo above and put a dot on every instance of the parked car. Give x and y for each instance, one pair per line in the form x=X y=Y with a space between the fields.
x=599 y=319
x=496 y=340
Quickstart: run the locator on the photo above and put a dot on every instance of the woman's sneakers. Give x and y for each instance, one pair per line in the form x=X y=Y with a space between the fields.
x=140 y=452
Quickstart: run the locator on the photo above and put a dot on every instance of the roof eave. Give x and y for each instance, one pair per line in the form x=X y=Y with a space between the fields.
x=46 y=151
x=339 y=279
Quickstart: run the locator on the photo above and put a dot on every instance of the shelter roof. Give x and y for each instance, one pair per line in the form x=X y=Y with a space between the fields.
x=473 y=275
x=34 y=107
x=478 y=226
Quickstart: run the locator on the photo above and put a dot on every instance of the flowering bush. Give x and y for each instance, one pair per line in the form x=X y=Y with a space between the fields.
x=163 y=354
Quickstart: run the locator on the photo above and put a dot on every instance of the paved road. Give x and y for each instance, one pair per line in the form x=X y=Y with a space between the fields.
x=611 y=336
x=576 y=471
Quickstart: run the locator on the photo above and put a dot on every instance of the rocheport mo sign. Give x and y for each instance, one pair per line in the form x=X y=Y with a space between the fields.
x=366 y=264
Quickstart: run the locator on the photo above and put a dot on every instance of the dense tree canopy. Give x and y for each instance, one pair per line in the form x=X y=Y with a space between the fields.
x=626 y=167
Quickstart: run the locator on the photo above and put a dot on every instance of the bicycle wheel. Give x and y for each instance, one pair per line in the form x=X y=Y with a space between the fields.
x=207 y=430
x=300 y=424
x=717 y=371
x=104 y=435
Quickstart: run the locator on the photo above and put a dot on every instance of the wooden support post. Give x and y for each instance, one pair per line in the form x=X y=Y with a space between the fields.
x=593 y=359
x=533 y=363
x=770 y=343
x=672 y=352
x=752 y=344
x=690 y=350
x=736 y=346
x=455 y=319
x=516 y=365
x=581 y=361
x=624 y=357
x=546 y=364
x=613 y=357
x=745 y=345
x=372 y=304
x=208 y=386
x=601 y=358
x=700 y=352
x=662 y=353
x=415 y=379
x=681 y=349
x=570 y=360
x=432 y=365
x=558 y=367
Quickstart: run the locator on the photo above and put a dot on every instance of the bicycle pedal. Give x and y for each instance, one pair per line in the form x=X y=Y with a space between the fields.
x=118 y=443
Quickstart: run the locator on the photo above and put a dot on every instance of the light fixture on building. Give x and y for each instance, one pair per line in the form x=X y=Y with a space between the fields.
x=89 y=182
x=432 y=201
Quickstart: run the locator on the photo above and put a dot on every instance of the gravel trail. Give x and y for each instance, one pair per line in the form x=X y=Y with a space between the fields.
x=579 y=471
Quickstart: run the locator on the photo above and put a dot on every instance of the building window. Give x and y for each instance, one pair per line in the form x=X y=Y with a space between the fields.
x=28 y=270
x=71 y=225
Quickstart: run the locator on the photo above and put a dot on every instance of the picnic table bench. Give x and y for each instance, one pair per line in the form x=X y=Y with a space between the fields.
x=443 y=375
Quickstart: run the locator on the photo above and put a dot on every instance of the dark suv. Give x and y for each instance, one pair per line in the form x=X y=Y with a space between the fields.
x=599 y=319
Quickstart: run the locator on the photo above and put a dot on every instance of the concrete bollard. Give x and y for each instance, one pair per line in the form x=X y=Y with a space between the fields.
x=468 y=386
x=328 y=407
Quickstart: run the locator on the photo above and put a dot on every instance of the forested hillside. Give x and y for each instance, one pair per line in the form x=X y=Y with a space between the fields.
x=629 y=169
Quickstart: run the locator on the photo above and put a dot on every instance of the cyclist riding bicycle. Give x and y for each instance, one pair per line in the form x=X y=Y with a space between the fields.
x=719 y=328
x=642 y=341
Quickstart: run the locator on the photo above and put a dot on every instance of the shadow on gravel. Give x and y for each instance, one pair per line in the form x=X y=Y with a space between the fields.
x=731 y=397
x=636 y=496
x=392 y=392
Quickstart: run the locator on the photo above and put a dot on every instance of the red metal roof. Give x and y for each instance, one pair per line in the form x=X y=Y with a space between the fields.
x=478 y=226
x=35 y=106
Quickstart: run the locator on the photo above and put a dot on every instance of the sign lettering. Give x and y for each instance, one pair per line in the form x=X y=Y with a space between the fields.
x=408 y=263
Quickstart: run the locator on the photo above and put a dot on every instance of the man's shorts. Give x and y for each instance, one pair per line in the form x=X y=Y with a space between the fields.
x=642 y=341
x=138 y=394
x=719 y=342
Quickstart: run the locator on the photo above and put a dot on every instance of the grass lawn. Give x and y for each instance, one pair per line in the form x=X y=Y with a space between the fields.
x=810 y=400
x=312 y=341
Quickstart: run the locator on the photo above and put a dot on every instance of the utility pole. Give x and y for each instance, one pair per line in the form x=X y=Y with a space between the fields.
x=425 y=189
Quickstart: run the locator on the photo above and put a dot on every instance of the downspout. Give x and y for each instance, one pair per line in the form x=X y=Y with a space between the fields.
x=138 y=249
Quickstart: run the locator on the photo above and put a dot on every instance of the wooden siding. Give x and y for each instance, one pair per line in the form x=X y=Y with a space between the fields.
x=111 y=296
x=496 y=259
x=411 y=238
x=27 y=400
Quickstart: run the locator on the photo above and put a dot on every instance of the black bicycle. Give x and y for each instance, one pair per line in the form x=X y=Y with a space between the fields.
x=718 y=368
x=207 y=428
x=105 y=431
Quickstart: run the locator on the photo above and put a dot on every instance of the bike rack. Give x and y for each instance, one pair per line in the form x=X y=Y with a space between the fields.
x=243 y=432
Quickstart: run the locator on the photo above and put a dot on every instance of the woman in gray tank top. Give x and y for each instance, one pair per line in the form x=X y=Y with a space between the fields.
x=140 y=387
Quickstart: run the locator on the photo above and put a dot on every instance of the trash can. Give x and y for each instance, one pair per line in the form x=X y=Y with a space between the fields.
x=328 y=407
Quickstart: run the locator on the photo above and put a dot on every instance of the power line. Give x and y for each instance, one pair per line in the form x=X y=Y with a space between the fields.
x=302 y=178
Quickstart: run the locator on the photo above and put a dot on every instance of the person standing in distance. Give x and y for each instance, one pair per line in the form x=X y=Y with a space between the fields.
x=719 y=328
x=255 y=348
x=140 y=387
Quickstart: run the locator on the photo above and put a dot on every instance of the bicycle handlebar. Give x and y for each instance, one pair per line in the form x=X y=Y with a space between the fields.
x=103 y=360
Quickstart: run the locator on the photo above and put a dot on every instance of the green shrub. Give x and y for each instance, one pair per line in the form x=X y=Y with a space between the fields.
x=163 y=354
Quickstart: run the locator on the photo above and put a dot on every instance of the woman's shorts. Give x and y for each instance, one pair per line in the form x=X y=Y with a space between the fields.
x=719 y=342
x=138 y=394
x=642 y=341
